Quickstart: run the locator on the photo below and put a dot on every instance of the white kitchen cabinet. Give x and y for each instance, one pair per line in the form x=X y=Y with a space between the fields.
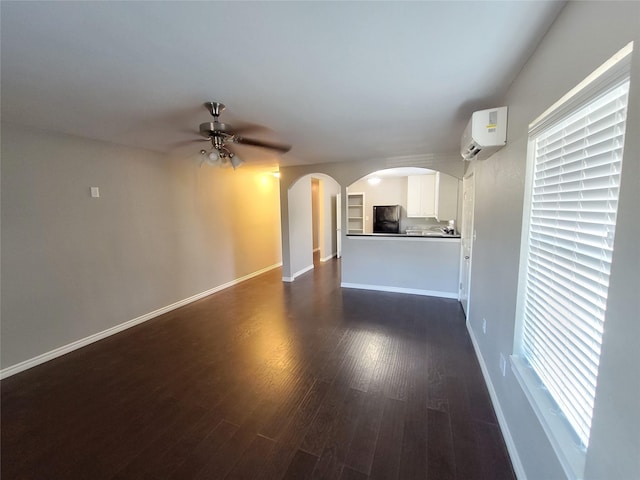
x=446 y=197
x=355 y=213
x=421 y=196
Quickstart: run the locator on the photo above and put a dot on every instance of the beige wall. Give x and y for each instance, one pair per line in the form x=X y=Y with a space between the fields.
x=301 y=235
x=162 y=230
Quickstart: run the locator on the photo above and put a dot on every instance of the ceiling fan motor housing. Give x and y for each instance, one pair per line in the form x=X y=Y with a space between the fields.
x=207 y=129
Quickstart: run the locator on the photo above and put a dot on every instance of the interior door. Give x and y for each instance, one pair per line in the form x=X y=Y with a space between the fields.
x=467 y=236
x=339 y=225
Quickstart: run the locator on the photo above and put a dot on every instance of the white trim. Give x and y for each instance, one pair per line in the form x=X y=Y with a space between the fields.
x=571 y=455
x=304 y=270
x=502 y=421
x=297 y=274
x=411 y=291
x=621 y=58
x=470 y=177
x=327 y=258
x=524 y=246
x=57 y=352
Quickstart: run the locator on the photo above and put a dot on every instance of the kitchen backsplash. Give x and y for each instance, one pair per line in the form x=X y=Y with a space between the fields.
x=418 y=223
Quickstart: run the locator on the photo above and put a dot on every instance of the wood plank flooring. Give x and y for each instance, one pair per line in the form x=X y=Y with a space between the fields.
x=264 y=380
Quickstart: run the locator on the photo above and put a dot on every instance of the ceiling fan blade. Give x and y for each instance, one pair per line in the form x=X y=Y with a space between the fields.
x=280 y=147
x=187 y=142
x=235 y=129
x=242 y=128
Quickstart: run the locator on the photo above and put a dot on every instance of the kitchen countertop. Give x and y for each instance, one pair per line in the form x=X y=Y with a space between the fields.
x=403 y=235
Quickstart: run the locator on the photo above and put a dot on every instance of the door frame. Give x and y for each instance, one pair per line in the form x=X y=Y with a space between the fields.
x=339 y=225
x=467 y=180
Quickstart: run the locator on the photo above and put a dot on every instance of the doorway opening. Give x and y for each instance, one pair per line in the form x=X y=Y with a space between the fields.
x=313 y=222
x=315 y=219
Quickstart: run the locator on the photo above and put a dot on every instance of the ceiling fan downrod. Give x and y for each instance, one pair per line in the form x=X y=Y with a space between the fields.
x=215 y=108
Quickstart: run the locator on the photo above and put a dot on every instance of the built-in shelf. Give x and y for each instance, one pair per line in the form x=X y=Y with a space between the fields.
x=355 y=212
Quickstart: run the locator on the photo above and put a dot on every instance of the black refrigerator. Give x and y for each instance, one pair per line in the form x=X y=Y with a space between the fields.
x=386 y=219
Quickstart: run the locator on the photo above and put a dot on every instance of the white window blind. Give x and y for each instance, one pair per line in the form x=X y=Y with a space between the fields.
x=574 y=200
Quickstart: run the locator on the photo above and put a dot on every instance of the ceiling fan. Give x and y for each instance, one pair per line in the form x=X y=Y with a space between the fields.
x=222 y=136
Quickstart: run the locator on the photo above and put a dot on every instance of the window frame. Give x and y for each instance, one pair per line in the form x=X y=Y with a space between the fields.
x=565 y=442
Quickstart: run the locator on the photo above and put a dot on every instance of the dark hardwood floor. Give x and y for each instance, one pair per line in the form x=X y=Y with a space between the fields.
x=264 y=380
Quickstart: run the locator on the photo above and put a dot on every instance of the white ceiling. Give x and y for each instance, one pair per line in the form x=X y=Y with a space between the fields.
x=338 y=80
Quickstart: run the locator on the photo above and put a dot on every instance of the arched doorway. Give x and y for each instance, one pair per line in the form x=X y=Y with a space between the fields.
x=311 y=212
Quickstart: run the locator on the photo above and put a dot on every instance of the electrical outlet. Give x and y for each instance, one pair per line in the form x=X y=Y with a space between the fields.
x=484 y=325
x=503 y=365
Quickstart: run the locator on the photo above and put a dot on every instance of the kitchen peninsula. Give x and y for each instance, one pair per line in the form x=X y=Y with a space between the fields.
x=422 y=265
x=420 y=259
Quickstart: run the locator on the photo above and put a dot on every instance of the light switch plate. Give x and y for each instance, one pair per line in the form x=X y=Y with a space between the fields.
x=95 y=192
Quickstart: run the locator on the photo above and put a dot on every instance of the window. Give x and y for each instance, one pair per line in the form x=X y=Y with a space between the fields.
x=574 y=166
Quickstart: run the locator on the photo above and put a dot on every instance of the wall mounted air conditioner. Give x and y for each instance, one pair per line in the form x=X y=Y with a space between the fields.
x=486 y=133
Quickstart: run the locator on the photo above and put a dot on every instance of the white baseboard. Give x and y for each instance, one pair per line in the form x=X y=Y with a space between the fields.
x=297 y=274
x=412 y=291
x=57 y=352
x=326 y=259
x=502 y=421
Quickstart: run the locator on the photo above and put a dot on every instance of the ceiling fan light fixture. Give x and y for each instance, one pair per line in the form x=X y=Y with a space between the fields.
x=210 y=158
x=235 y=161
x=213 y=156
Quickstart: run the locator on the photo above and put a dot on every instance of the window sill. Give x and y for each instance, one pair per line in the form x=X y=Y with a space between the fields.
x=571 y=455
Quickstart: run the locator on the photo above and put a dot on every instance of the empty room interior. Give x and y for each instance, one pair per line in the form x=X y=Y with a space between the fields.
x=320 y=240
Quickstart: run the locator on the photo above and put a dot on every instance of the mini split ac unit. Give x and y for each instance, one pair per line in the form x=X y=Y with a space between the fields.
x=486 y=133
